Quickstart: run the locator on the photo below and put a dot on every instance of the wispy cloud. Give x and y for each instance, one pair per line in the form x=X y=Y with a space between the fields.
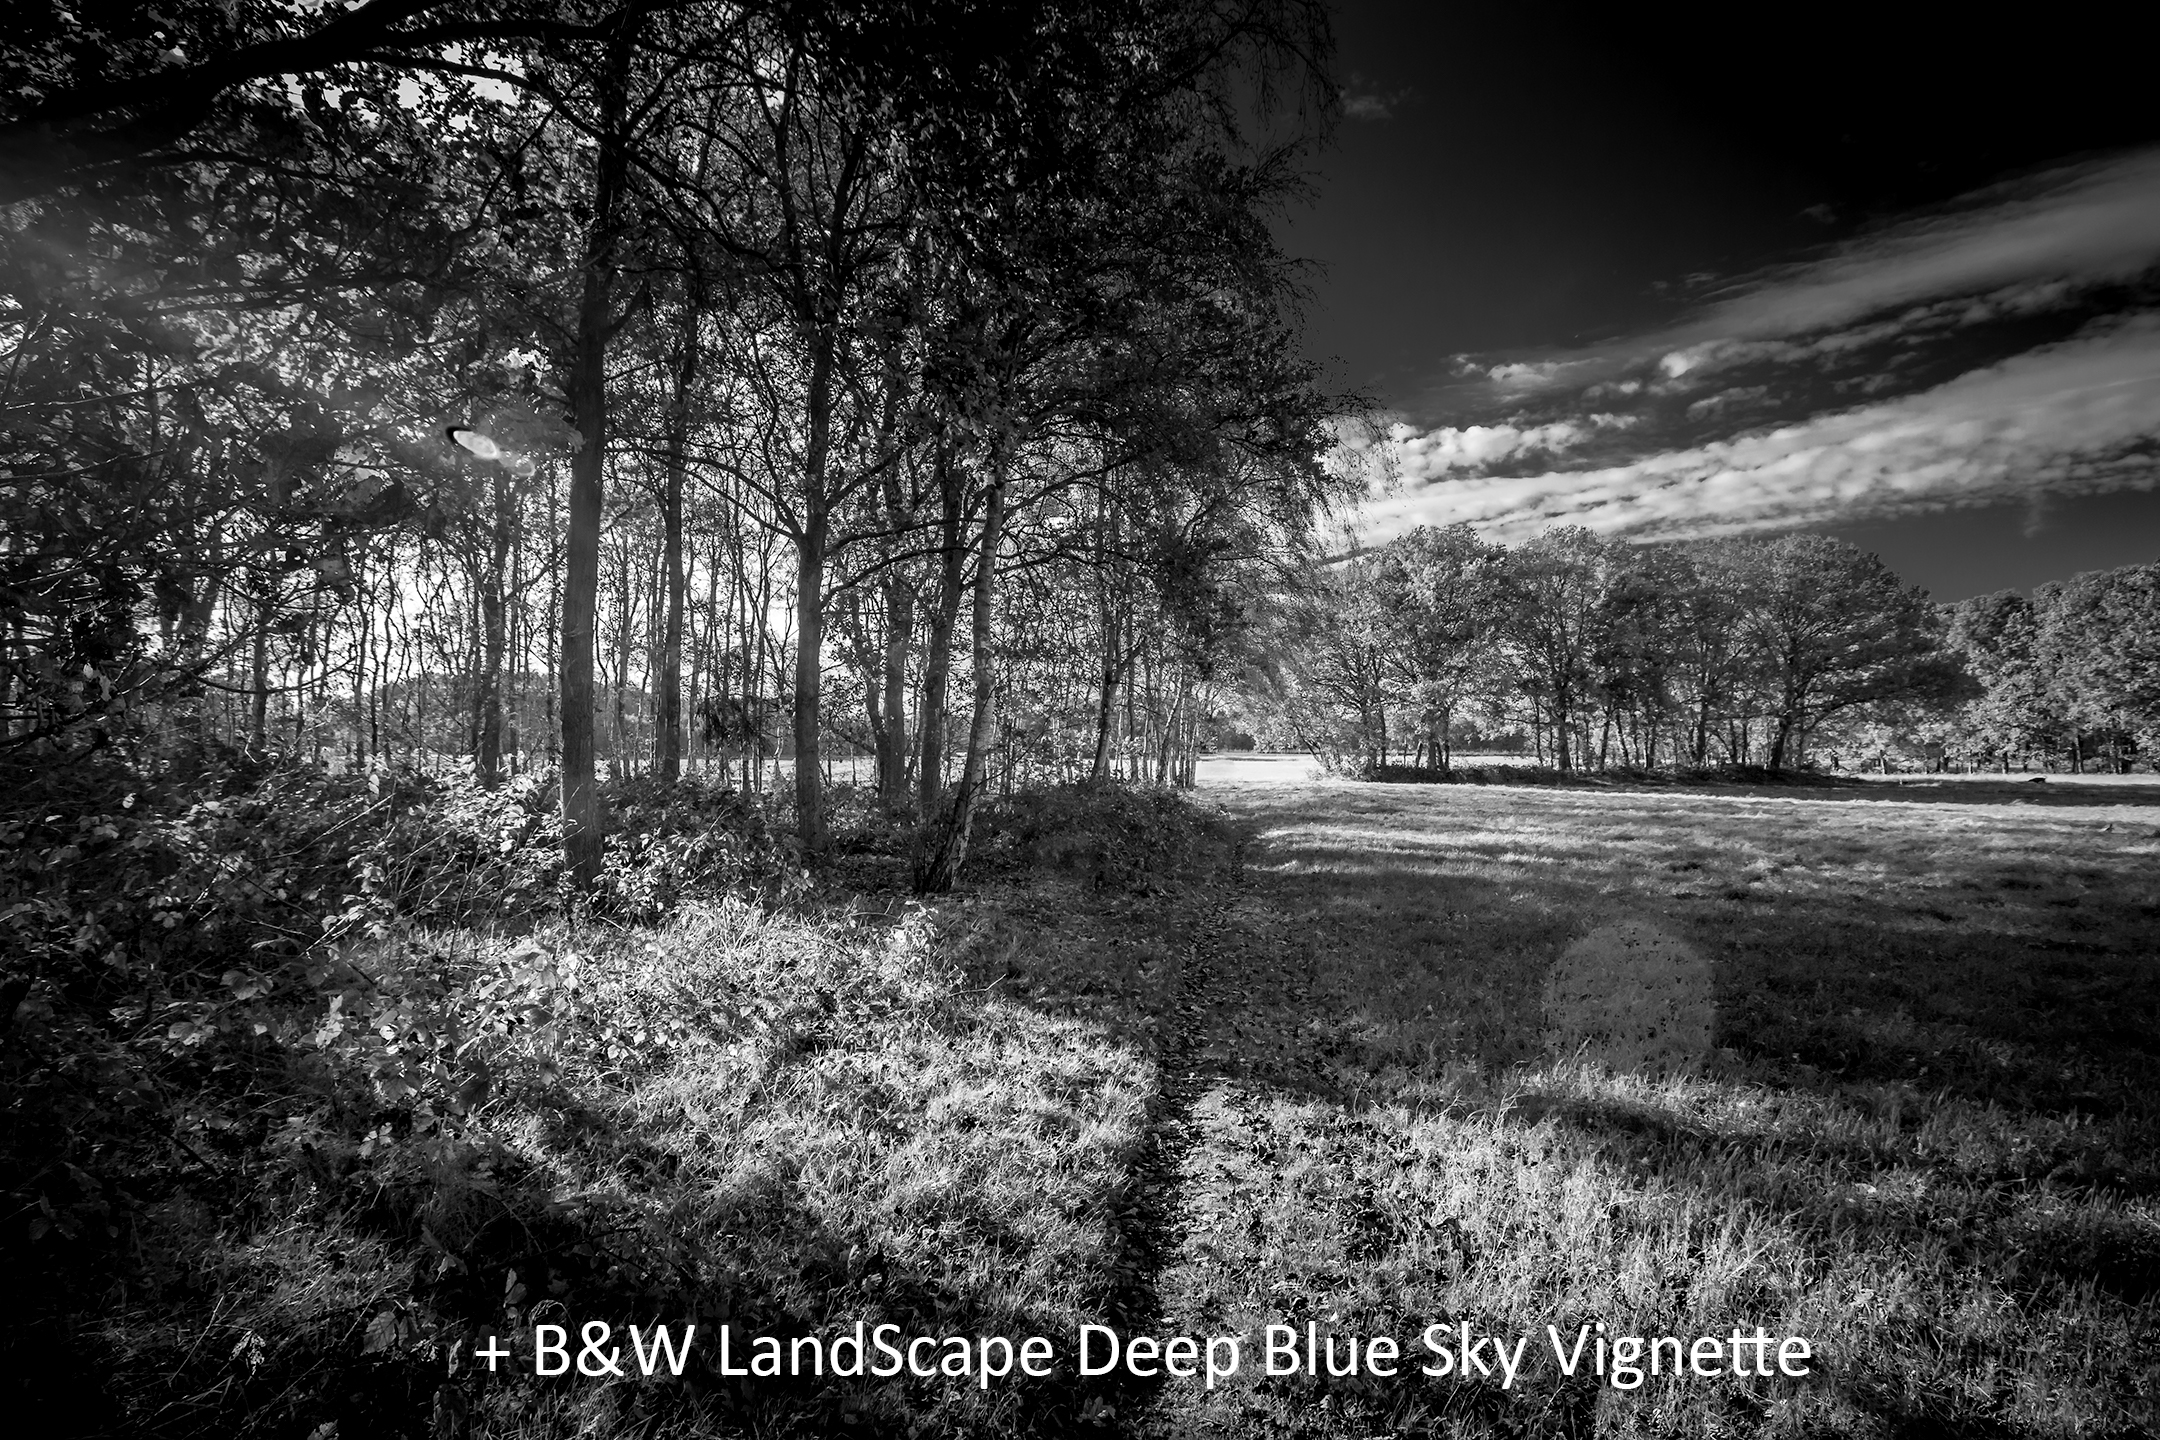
x=2089 y=224
x=2007 y=344
x=2081 y=415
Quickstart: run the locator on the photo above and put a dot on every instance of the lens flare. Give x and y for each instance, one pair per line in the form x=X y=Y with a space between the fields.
x=474 y=441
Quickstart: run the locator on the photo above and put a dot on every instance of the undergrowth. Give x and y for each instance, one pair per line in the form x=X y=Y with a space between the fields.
x=311 y=1084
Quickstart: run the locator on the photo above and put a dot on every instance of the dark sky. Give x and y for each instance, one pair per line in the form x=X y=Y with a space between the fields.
x=1530 y=182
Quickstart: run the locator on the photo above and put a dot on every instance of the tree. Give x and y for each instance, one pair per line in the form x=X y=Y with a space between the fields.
x=842 y=280
x=1552 y=589
x=1709 y=663
x=1439 y=596
x=116 y=100
x=2099 y=645
x=1998 y=638
x=1831 y=627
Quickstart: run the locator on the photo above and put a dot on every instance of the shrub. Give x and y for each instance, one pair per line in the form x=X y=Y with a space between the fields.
x=224 y=983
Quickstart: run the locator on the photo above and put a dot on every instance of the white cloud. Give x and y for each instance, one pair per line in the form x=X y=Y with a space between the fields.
x=2065 y=417
x=1427 y=455
x=2081 y=414
x=1713 y=404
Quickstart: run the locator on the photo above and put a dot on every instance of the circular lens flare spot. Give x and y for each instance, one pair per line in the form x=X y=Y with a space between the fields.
x=474 y=441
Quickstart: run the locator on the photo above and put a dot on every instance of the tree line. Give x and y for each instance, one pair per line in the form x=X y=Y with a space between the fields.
x=649 y=384
x=2068 y=676
x=1781 y=652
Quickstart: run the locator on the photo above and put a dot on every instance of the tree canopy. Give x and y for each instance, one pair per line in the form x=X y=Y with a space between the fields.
x=538 y=385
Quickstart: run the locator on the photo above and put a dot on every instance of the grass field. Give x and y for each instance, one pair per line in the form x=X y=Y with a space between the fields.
x=1144 y=1076
x=1927 y=1137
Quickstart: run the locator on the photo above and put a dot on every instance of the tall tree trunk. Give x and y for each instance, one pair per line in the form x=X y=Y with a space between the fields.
x=1113 y=641
x=810 y=604
x=703 y=671
x=581 y=811
x=619 y=751
x=670 y=698
x=1781 y=741
x=362 y=642
x=809 y=676
x=1105 y=711
x=892 y=756
x=1380 y=713
x=938 y=872
x=475 y=653
x=488 y=753
x=937 y=661
x=517 y=646
x=259 y=681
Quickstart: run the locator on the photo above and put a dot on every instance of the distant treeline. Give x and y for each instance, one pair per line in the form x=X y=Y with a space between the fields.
x=1787 y=652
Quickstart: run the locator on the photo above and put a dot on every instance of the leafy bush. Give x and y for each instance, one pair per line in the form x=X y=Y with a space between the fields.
x=467 y=855
x=224 y=985
x=694 y=840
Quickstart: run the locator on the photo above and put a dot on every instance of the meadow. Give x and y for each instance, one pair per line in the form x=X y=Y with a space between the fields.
x=1273 y=1057
x=1926 y=1137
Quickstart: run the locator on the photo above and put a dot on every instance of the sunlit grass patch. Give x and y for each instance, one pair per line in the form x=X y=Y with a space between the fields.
x=1564 y=1196
x=917 y=1153
x=774 y=1122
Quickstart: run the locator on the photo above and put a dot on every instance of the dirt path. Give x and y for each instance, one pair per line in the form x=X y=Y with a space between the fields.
x=1244 y=967
x=1156 y=1225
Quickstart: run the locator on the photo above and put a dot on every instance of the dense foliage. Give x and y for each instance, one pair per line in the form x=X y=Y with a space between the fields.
x=310 y=1067
x=1603 y=653
x=613 y=387
x=2070 y=675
